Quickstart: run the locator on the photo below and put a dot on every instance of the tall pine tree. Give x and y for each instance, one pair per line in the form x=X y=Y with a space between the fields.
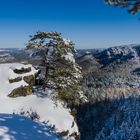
x=63 y=74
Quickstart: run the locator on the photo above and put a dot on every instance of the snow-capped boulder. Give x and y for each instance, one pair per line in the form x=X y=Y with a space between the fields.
x=20 y=73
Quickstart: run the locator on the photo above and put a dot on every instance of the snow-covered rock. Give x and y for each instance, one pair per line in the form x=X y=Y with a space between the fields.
x=7 y=73
x=121 y=53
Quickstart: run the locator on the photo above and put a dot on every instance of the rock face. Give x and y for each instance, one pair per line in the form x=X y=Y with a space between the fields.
x=21 y=91
x=17 y=79
x=30 y=79
x=22 y=70
x=24 y=74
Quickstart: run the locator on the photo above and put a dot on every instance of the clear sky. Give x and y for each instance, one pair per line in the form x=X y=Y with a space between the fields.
x=89 y=23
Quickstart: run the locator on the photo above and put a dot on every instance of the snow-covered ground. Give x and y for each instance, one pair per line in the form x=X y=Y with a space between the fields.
x=14 y=127
x=54 y=114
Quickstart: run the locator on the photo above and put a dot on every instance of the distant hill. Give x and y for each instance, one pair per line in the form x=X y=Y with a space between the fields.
x=111 y=83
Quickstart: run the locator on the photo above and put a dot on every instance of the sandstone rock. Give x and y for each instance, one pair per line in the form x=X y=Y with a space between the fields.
x=25 y=74
x=21 y=91
x=22 y=70
x=17 y=79
x=29 y=79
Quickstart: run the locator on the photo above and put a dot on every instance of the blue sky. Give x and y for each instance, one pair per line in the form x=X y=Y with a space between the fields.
x=89 y=23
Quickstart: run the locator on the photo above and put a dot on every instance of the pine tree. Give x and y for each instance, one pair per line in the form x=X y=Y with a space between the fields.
x=132 y=5
x=63 y=74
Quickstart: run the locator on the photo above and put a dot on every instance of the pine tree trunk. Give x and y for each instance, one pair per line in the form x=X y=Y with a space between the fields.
x=47 y=67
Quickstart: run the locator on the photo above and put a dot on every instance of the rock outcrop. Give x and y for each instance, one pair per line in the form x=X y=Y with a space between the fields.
x=25 y=74
x=22 y=70
x=30 y=79
x=21 y=91
x=17 y=79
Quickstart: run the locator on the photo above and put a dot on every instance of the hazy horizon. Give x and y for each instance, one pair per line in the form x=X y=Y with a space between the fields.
x=89 y=24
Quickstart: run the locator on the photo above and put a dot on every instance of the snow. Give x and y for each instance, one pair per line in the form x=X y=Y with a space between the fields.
x=88 y=53
x=19 y=66
x=14 y=127
x=69 y=57
x=55 y=115
x=66 y=41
